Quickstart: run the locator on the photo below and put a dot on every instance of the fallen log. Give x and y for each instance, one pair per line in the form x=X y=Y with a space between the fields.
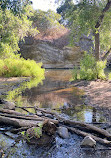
x=18 y=122
x=26 y=118
x=84 y=134
x=23 y=117
x=81 y=125
x=11 y=112
x=50 y=112
x=18 y=130
x=26 y=107
x=88 y=127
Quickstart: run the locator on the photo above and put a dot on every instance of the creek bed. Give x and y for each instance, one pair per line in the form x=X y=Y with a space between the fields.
x=56 y=92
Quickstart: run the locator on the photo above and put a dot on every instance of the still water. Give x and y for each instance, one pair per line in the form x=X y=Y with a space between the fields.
x=57 y=93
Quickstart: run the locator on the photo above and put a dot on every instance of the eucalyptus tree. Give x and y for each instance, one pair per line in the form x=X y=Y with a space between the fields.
x=89 y=16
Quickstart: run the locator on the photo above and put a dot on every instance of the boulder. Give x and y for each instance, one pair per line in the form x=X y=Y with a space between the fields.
x=39 y=113
x=88 y=141
x=9 y=105
x=49 y=115
x=63 y=132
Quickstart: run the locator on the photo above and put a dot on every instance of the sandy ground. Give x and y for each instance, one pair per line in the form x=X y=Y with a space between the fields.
x=99 y=93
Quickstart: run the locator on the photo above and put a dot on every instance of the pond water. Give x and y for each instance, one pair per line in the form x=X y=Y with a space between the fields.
x=57 y=93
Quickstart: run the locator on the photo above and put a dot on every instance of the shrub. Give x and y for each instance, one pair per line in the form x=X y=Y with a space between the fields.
x=20 y=67
x=109 y=76
x=100 y=66
x=90 y=69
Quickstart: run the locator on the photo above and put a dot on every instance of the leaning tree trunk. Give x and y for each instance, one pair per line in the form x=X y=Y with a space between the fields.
x=106 y=55
x=97 y=26
x=97 y=46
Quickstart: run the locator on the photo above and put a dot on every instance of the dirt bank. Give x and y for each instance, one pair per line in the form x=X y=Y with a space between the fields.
x=99 y=93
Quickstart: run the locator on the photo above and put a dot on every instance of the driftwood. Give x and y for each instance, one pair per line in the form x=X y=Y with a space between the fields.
x=88 y=127
x=23 y=122
x=84 y=134
x=18 y=122
x=14 y=114
x=34 y=118
x=50 y=112
x=11 y=112
x=81 y=125
x=18 y=129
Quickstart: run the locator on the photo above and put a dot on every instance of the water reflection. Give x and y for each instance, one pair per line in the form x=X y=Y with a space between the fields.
x=16 y=94
x=54 y=92
x=85 y=113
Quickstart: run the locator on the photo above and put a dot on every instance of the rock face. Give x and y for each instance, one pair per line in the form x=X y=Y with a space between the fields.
x=63 y=132
x=86 y=43
x=51 y=48
x=50 y=55
x=88 y=142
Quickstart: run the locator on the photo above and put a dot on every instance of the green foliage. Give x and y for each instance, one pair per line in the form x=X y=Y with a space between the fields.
x=16 y=94
x=14 y=28
x=20 y=67
x=36 y=132
x=82 y=17
x=45 y=20
x=17 y=7
x=23 y=133
x=100 y=66
x=90 y=69
x=105 y=36
x=109 y=76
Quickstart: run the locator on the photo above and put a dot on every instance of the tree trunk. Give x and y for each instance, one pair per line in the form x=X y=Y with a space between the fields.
x=97 y=46
x=97 y=26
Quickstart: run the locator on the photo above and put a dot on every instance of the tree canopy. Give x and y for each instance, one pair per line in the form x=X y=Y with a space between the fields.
x=89 y=16
x=13 y=28
x=16 y=6
x=45 y=20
